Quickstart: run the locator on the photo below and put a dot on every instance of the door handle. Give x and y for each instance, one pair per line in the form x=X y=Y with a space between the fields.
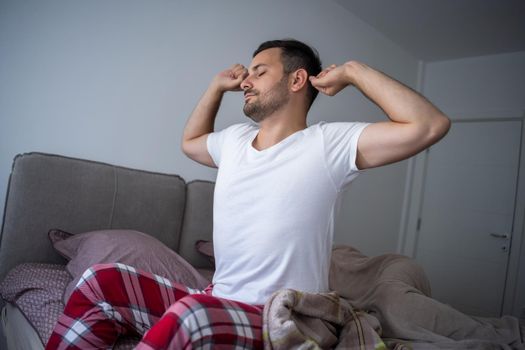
x=500 y=235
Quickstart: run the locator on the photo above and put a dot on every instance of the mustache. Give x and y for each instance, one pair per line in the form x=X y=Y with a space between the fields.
x=251 y=91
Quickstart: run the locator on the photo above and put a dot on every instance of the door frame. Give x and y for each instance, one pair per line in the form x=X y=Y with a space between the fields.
x=413 y=200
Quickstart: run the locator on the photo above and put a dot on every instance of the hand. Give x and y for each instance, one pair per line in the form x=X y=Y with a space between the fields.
x=331 y=80
x=231 y=78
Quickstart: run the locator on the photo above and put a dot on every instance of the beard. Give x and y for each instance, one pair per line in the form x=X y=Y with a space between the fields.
x=269 y=102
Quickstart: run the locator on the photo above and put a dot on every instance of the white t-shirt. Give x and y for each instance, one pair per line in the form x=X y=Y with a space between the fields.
x=273 y=213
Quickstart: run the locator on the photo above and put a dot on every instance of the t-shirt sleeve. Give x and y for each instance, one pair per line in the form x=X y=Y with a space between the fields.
x=340 y=146
x=215 y=144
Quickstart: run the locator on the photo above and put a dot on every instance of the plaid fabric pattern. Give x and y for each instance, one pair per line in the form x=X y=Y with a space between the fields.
x=206 y=322
x=115 y=299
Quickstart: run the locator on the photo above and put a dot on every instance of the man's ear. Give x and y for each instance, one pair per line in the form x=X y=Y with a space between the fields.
x=299 y=79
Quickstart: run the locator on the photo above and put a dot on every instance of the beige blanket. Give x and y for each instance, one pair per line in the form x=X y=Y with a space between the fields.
x=395 y=290
x=296 y=320
x=393 y=294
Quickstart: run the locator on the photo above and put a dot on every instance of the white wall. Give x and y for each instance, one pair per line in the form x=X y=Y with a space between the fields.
x=115 y=80
x=483 y=87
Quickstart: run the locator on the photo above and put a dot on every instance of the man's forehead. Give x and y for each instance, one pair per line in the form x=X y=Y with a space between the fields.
x=266 y=58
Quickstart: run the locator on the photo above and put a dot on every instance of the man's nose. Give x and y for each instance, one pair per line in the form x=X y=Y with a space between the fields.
x=246 y=83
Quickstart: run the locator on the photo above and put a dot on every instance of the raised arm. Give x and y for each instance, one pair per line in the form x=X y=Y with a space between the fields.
x=415 y=123
x=202 y=119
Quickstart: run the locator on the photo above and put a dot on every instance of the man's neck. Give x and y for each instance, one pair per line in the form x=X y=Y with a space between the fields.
x=276 y=128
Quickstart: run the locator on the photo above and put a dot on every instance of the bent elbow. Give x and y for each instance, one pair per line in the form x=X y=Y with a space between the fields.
x=185 y=148
x=440 y=127
x=446 y=123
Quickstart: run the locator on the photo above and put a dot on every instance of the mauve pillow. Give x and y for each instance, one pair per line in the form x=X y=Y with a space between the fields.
x=137 y=249
x=206 y=249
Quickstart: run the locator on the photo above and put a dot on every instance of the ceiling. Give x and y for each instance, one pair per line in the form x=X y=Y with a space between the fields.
x=434 y=30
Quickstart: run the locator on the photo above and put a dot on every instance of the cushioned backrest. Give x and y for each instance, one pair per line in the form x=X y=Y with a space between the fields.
x=198 y=221
x=49 y=191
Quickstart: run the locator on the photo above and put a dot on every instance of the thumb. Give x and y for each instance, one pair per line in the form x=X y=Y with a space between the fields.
x=315 y=81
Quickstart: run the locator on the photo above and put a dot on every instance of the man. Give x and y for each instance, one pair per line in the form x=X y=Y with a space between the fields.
x=278 y=180
x=275 y=195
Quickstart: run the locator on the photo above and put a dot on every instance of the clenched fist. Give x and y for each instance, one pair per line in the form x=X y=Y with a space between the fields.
x=332 y=79
x=231 y=78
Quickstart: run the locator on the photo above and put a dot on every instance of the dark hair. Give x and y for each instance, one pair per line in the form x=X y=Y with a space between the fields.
x=296 y=55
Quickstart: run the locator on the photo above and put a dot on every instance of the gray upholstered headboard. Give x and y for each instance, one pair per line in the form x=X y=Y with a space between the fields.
x=50 y=191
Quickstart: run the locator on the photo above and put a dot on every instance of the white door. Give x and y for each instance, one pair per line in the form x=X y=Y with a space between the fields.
x=467 y=212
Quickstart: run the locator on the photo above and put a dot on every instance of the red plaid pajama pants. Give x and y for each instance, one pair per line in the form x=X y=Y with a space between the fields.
x=115 y=299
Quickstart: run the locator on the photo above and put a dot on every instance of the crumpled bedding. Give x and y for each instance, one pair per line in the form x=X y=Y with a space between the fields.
x=36 y=289
x=391 y=288
x=396 y=291
x=298 y=320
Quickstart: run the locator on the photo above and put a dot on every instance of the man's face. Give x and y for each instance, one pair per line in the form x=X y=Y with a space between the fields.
x=266 y=87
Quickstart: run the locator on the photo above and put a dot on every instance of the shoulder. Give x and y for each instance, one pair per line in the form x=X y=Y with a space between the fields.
x=240 y=129
x=338 y=129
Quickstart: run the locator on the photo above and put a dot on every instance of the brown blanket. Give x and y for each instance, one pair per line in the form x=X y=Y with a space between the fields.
x=297 y=320
x=395 y=290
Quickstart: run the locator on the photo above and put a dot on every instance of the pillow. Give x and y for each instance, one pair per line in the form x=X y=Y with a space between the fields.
x=37 y=291
x=207 y=273
x=137 y=249
x=206 y=249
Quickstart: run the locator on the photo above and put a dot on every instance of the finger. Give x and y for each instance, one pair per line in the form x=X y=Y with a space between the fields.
x=320 y=78
x=322 y=74
x=234 y=68
x=234 y=73
x=316 y=83
x=239 y=67
x=315 y=80
x=325 y=71
x=328 y=69
x=241 y=74
x=244 y=73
